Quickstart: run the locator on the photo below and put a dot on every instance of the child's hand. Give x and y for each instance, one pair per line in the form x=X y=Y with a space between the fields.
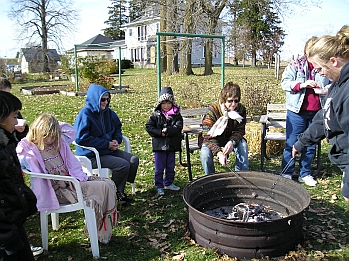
x=163 y=132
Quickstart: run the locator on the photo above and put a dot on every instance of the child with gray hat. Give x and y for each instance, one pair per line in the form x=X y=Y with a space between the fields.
x=165 y=126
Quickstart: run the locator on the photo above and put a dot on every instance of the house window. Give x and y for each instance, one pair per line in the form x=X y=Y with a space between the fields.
x=142 y=32
x=130 y=32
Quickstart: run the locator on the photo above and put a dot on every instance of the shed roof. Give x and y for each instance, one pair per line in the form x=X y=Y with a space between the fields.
x=34 y=54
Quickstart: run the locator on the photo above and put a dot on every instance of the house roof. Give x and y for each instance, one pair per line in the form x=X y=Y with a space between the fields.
x=94 y=42
x=34 y=54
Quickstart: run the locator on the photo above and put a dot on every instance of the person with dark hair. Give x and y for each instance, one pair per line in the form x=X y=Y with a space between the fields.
x=299 y=81
x=20 y=132
x=224 y=130
x=330 y=57
x=21 y=129
x=165 y=126
x=17 y=201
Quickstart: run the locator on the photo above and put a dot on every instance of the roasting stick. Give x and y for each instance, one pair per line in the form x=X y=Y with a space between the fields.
x=254 y=194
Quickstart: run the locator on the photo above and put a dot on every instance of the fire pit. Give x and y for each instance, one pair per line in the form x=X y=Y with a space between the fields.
x=246 y=239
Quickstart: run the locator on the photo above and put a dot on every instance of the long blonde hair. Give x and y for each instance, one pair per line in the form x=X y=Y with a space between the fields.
x=328 y=46
x=46 y=125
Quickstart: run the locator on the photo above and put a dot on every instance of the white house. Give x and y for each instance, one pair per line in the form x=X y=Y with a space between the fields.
x=98 y=46
x=140 y=41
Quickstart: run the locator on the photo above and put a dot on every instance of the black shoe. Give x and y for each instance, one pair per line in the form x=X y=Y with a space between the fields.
x=123 y=198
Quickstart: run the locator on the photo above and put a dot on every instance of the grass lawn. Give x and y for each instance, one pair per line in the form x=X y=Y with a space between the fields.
x=155 y=228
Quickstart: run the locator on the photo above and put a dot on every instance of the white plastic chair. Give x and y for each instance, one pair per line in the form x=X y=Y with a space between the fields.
x=102 y=172
x=89 y=213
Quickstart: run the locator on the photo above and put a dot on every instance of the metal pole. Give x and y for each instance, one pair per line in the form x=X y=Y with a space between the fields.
x=158 y=62
x=120 y=68
x=76 y=71
x=223 y=60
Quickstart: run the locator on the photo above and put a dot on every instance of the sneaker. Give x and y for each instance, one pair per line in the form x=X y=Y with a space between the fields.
x=172 y=187
x=287 y=176
x=160 y=191
x=308 y=180
x=36 y=250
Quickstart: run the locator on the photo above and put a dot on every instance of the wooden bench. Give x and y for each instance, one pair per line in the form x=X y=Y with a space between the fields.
x=276 y=119
x=192 y=126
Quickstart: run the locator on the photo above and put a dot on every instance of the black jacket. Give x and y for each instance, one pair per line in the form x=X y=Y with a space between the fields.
x=332 y=122
x=17 y=201
x=174 y=124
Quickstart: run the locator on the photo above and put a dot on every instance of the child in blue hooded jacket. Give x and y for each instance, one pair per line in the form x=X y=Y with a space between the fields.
x=98 y=126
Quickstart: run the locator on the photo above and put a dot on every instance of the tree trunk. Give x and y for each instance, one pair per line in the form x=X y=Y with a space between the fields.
x=208 y=56
x=186 y=48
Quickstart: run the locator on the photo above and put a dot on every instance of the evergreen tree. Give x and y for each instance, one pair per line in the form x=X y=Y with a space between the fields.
x=117 y=17
x=137 y=7
x=256 y=20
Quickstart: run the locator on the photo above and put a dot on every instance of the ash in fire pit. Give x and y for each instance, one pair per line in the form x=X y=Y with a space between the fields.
x=245 y=213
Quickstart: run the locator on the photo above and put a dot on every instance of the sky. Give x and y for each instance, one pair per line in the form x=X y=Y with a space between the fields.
x=300 y=26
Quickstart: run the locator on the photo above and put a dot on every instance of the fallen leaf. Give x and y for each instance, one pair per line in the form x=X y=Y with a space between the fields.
x=169 y=224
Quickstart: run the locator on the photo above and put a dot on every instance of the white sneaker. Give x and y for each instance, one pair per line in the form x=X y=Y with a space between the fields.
x=287 y=176
x=36 y=250
x=308 y=180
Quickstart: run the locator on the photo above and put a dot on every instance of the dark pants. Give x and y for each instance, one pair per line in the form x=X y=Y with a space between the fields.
x=24 y=254
x=296 y=123
x=124 y=166
x=164 y=160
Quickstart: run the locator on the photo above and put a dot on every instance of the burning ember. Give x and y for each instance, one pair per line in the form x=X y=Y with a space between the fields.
x=243 y=212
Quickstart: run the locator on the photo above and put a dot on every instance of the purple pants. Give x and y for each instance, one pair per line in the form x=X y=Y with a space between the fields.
x=164 y=160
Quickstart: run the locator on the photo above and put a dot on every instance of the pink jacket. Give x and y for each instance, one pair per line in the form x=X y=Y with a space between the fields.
x=31 y=160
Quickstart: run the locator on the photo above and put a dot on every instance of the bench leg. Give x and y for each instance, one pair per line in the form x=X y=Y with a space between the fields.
x=180 y=160
x=263 y=153
x=318 y=159
x=187 y=151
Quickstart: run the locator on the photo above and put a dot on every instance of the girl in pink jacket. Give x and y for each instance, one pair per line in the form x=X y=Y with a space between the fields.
x=46 y=150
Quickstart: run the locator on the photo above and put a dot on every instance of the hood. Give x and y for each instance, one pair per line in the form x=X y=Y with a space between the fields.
x=94 y=95
x=3 y=138
x=166 y=94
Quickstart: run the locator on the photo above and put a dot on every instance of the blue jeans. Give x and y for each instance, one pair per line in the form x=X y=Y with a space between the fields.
x=241 y=161
x=296 y=123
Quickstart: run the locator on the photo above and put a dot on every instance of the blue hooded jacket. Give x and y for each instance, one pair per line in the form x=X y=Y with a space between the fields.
x=96 y=127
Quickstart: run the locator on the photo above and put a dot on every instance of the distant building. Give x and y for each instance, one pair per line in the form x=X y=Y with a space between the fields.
x=140 y=41
x=31 y=60
x=98 y=46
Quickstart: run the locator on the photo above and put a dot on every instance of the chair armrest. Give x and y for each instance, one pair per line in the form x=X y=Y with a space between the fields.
x=127 y=144
x=95 y=152
x=264 y=119
x=58 y=177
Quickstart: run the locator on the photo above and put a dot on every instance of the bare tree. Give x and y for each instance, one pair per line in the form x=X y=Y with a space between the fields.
x=213 y=10
x=191 y=12
x=43 y=21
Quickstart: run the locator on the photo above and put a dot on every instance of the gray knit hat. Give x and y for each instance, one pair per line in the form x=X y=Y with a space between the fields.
x=166 y=94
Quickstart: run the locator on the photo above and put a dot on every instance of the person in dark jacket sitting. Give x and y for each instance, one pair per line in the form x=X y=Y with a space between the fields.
x=17 y=201
x=165 y=126
x=98 y=126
